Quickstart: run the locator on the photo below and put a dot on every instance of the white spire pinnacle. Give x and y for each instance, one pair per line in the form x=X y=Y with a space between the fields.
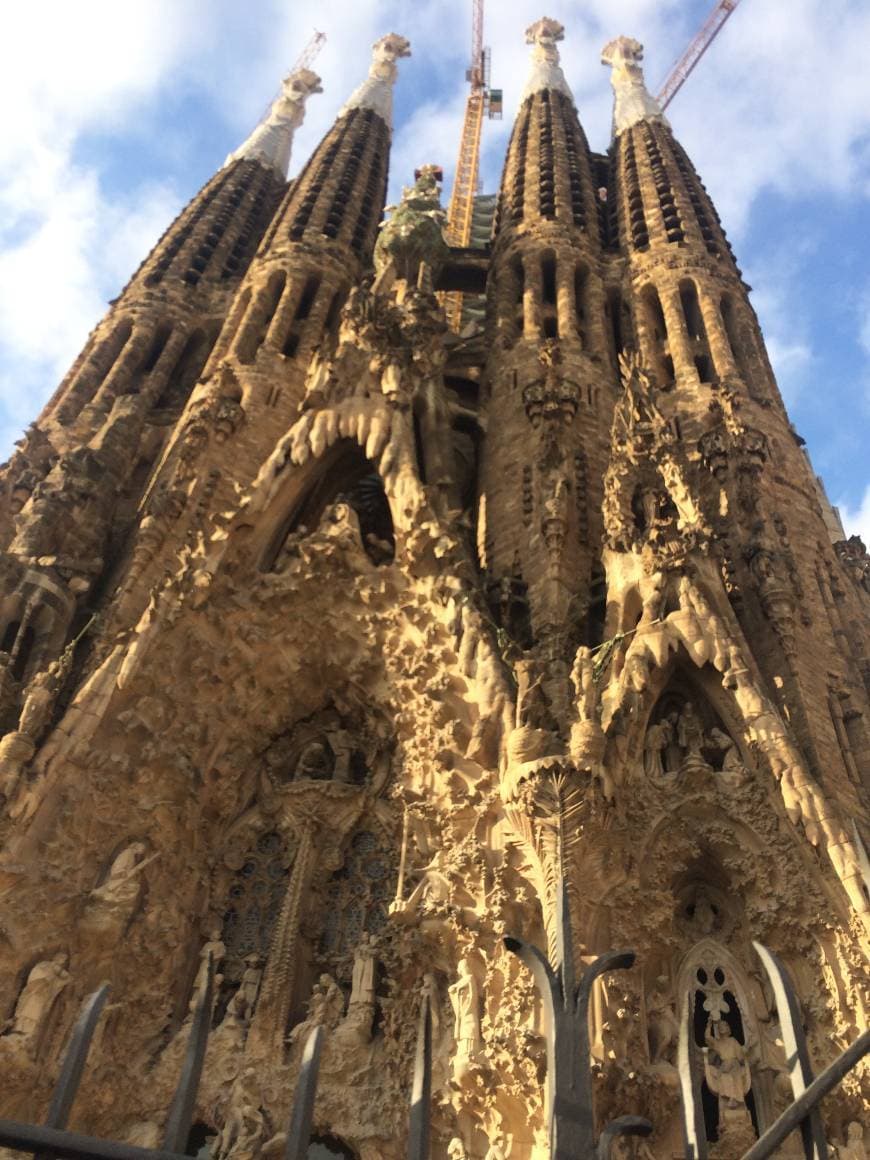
x=376 y=91
x=546 y=70
x=633 y=101
x=272 y=140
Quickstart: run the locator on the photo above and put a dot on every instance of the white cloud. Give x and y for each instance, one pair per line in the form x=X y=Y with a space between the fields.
x=778 y=104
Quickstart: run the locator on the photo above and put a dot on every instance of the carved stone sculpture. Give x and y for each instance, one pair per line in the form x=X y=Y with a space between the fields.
x=465 y=1000
x=324 y=1009
x=661 y=1023
x=45 y=982
x=725 y=1065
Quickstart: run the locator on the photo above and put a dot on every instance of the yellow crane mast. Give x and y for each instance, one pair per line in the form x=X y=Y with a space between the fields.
x=482 y=101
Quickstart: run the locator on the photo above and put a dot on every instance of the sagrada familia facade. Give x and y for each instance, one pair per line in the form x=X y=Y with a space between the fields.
x=337 y=646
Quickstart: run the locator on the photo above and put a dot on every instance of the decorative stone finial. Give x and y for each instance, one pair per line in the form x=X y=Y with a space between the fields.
x=633 y=102
x=414 y=234
x=546 y=72
x=376 y=91
x=272 y=140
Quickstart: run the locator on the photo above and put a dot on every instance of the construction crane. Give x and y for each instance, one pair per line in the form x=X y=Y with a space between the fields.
x=305 y=58
x=679 y=74
x=310 y=51
x=482 y=102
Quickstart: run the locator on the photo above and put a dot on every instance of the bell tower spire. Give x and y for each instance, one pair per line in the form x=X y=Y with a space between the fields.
x=546 y=72
x=633 y=101
x=376 y=91
x=272 y=140
x=549 y=369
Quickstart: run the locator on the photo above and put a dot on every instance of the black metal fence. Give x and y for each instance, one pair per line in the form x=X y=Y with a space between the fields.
x=570 y=1111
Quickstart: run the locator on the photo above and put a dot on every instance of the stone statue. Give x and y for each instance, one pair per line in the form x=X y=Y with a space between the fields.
x=733 y=770
x=690 y=734
x=119 y=894
x=41 y=695
x=725 y=1065
x=499 y=1147
x=44 y=984
x=465 y=1000
x=658 y=737
x=9 y=690
x=242 y=1004
x=244 y=1125
x=361 y=1007
x=854 y=1147
x=215 y=947
x=662 y=1024
x=363 y=980
x=705 y=918
x=316 y=761
x=324 y=1009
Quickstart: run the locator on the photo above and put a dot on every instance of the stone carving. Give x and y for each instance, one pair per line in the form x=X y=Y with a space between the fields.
x=111 y=905
x=45 y=982
x=659 y=738
x=465 y=1000
x=414 y=236
x=361 y=1005
x=726 y=1068
x=272 y=140
x=853 y=555
x=662 y=1025
x=376 y=92
x=734 y=772
x=215 y=948
x=853 y=1148
x=546 y=72
x=651 y=501
x=325 y=1009
x=274 y=677
x=41 y=695
x=632 y=101
x=244 y=1124
x=241 y=1005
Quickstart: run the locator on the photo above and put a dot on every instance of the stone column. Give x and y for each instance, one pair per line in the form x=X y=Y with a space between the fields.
x=678 y=336
x=125 y=366
x=166 y=364
x=534 y=290
x=566 y=304
x=268 y=1029
x=717 y=337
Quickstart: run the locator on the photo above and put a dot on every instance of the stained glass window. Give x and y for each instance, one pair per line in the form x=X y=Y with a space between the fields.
x=357 y=899
x=255 y=897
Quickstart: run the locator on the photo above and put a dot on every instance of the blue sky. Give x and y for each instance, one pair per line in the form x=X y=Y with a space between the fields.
x=115 y=114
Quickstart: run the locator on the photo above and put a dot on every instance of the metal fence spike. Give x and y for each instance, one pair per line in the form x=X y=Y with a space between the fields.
x=569 y=1079
x=299 y=1131
x=792 y=1117
x=622 y=1126
x=694 y=1128
x=421 y=1090
x=180 y=1117
x=796 y=1052
x=76 y=1056
x=73 y=1145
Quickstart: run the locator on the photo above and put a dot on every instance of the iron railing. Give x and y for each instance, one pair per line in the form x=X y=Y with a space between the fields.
x=569 y=1110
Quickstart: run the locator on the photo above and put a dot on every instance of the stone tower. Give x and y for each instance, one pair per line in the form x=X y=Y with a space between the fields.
x=337 y=646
